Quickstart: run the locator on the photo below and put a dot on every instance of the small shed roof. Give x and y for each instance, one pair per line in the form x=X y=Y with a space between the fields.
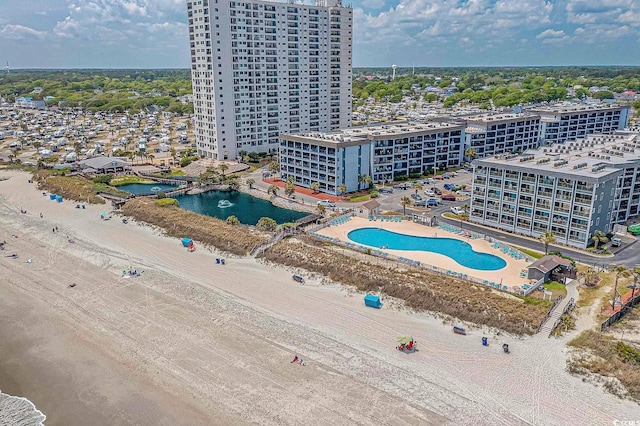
x=549 y=263
x=370 y=205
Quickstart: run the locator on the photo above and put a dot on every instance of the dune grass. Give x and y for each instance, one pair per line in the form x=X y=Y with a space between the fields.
x=74 y=187
x=606 y=356
x=421 y=290
x=236 y=239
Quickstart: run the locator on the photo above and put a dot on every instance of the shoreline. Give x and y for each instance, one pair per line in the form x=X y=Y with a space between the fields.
x=214 y=343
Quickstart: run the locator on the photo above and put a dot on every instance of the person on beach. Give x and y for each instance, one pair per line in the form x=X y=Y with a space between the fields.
x=41 y=216
x=56 y=228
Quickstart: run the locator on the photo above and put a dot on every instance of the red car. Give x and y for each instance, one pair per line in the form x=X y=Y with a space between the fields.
x=448 y=197
x=439 y=177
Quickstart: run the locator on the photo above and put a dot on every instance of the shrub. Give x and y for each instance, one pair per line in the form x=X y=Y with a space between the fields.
x=233 y=220
x=415 y=175
x=103 y=179
x=164 y=202
x=266 y=224
x=401 y=177
x=160 y=195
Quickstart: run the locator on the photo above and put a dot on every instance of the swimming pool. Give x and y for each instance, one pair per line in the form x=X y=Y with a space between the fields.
x=460 y=251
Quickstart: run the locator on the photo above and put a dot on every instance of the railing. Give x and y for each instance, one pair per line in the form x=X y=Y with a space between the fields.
x=557 y=301
x=566 y=309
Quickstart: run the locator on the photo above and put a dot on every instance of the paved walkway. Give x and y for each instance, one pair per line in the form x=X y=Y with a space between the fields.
x=571 y=297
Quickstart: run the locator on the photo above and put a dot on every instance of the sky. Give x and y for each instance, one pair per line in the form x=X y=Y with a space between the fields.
x=432 y=33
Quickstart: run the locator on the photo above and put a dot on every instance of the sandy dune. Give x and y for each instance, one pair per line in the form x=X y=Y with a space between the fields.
x=192 y=342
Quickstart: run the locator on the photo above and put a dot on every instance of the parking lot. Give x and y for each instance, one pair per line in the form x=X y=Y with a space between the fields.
x=392 y=201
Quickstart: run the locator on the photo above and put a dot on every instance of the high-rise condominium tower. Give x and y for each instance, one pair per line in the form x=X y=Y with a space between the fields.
x=261 y=68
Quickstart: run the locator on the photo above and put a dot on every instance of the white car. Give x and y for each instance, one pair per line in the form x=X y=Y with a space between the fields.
x=457 y=210
x=326 y=203
x=429 y=193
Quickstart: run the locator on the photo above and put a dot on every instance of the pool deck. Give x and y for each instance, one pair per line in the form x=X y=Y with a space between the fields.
x=508 y=276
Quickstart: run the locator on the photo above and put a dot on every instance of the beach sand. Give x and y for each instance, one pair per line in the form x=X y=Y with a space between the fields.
x=192 y=342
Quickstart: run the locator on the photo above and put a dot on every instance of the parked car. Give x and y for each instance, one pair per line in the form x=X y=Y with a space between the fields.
x=448 y=197
x=429 y=193
x=439 y=177
x=448 y=187
x=402 y=186
x=437 y=190
x=416 y=197
x=432 y=202
x=616 y=242
x=326 y=203
x=422 y=203
x=385 y=190
x=457 y=210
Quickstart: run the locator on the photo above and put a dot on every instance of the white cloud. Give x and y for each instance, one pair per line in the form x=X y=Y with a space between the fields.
x=551 y=34
x=20 y=32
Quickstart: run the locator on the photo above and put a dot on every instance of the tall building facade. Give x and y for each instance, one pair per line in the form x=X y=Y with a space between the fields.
x=384 y=153
x=261 y=68
x=561 y=123
x=493 y=134
x=571 y=189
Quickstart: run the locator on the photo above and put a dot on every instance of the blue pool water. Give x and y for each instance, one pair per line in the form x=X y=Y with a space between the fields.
x=145 y=188
x=460 y=251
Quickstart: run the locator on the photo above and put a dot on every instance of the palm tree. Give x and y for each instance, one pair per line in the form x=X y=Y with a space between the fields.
x=546 y=239
x=599 y=237
x=620 y=271
x=289 y=189
x=273 y=189
x=150 y=157
x=223 y=167
x=342 y=188
x=173 y=153
x=314 y=186
x=233 y=220
x=321 y=209
x=590 y=277
x=291 y=179
x=405 y=201
x=274 y=167
x=470 y=153
x=417 y=186
x=250 y=182
x=233 y=184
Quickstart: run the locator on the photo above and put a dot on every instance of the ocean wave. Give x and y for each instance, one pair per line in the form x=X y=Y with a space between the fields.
x=18 y=411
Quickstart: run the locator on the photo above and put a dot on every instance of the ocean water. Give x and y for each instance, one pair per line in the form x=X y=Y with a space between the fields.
x=18 y=411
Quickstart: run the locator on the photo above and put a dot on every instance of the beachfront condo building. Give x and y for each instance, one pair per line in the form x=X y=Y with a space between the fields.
x=493 y=134
x=261 y=68
x=565 y=122
x=384 y=153
x=571 y=189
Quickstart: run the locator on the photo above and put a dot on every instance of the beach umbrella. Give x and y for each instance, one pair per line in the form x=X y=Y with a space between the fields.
x=405 y=339
x=104 y=214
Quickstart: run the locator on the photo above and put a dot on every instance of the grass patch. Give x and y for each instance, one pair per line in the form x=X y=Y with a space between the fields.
x=236 y=239
x=74 y=187
x=359 y=198
x=420 y=289
x=531 y=253
x=164 y=202
x=127 y=180
x=608 y=357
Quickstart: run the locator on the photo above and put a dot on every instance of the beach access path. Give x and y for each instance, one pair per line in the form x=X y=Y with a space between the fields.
x=202 y=343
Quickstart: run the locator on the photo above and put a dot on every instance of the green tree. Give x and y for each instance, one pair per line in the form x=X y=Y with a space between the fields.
x=289 y=189
x=321 y=209
x=598 y=238
x=547 y=238
x=251 y=182
x=223 y=167
x=342 y=188
x=315 y=186
x=233 y=220
x=266 y=224
x=590 y=277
